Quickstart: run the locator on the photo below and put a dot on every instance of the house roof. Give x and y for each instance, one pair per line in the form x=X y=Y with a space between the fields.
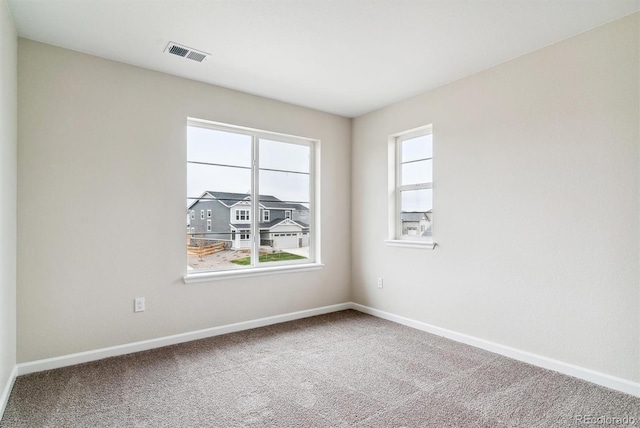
x=276 y=221
x=413 y=216
x=269 y=224
x=279 y=205
x=229 y=199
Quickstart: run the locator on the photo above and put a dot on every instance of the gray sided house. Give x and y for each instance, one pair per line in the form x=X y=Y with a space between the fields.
x=416 y=223
x=223 y=216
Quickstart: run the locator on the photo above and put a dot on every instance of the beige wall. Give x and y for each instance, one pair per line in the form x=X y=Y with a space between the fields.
x=536 y=204
x=532 y=159
x=8 y=153
x=102 y=173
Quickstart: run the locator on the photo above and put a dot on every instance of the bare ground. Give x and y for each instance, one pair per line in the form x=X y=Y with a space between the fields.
x=217 y=260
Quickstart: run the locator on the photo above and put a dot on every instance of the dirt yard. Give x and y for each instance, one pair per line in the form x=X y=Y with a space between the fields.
x=217 y=260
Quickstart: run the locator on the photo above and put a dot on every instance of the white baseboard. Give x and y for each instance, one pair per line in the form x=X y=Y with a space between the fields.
x=6 y=391
x=99 y=354
x=589 y=375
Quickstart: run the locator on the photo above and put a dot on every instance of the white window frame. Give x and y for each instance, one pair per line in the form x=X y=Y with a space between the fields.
x=193 y=215
x=257 y=268
x=395 y=237
x=208 y=225
x=201 y=214
x=243 y=212
x=208 y=213
x=287 y=214
x=266 y=215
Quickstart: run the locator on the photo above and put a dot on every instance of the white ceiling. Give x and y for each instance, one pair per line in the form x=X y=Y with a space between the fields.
x=346 y=57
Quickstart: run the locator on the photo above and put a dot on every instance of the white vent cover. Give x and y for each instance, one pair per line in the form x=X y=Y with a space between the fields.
x=185 y=52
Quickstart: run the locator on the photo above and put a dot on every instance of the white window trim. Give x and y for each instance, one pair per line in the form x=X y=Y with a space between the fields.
x=208 y=213
x=422 y=244
x=208 y=225
x=266 y=215
x=201 y=214
x=199 y=277
x=314 y=260
x=395 y=238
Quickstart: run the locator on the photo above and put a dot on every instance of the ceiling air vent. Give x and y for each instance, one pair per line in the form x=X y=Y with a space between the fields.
x=185 y=52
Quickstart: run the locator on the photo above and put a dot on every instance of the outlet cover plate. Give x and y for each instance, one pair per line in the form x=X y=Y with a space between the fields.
x=138 y=304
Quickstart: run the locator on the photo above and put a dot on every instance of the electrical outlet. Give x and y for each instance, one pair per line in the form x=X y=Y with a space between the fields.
x=138 y=304
x=380 y=284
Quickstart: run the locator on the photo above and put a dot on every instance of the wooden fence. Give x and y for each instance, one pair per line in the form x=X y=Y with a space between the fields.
x=205 y=250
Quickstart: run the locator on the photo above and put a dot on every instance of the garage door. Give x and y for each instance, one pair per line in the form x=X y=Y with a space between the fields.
x=285 y=240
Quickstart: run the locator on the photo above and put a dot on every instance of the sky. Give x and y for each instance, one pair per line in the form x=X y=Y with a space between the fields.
x=289 y=182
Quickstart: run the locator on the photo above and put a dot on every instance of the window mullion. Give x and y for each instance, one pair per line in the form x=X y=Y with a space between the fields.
x=312 y=201
x=255 y=202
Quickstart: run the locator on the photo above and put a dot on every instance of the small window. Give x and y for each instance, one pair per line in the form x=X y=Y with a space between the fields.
x=193 y=215
x=412 y=203
x=208 y=213
x=208 y=225
x=242 y=215
x=265 y=215
x=244 y=235
x=287 y=214
x=201 y=214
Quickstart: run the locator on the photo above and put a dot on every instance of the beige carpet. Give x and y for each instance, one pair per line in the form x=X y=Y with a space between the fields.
x=338 y=370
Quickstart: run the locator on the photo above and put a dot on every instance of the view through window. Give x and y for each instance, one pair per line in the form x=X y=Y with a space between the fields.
x=256 y=188
x=414 y=192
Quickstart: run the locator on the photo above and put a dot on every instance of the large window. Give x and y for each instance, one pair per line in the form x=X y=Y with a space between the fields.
x=411 y=177
x=259 y=184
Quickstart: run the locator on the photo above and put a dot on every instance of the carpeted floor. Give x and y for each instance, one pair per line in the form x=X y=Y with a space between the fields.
x=344 y=369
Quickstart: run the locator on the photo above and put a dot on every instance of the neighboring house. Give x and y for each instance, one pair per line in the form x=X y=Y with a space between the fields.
x=416 y=223
x=223 y=216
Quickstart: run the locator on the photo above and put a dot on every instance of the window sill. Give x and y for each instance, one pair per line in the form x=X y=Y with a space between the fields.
x=194 y=278
x=423 y=245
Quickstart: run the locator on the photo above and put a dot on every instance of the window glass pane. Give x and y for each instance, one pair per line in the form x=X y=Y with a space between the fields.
x=284 y=156
x=417 y=172
x=213 y=244
x=283 y=187
x=287 y=196
x=417 y=148
x=212 y=146
x=416 y=200
x=416 y=216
